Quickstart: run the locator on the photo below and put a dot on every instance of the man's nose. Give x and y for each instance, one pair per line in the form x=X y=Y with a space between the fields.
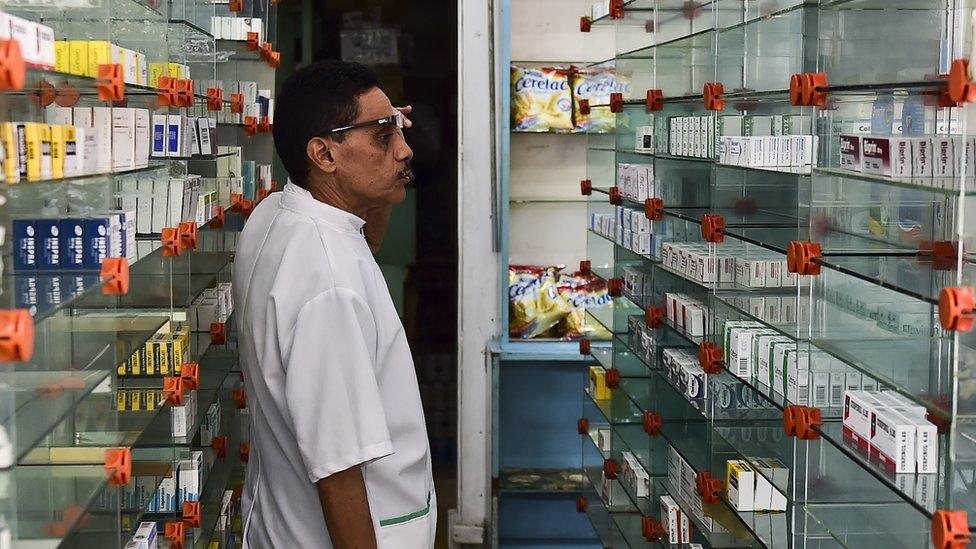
x=404 y=152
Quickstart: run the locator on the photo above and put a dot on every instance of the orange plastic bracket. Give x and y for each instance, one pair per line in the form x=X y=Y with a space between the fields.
x=274 y=58
x=613 y=378
x=654 y=209
x=166 y=91
x=950 y=529
x=111 y=85
x=654 y=316
x=118 y=466
x=115 y=273
x=654 y=100
x=616 y=102
x=957 y=308
x=252 y=41
x=801 y=258
x=235 y=6
x=237 y=103
x=266 y=49
x=240 y=398
x=615 y=197
x=583 y=426
x=219 y=445
x=616 y=9
x=171 y=242
x=652 y=530
x=175 y=532
x=264 y=124
x=585 y=24
x=218 y=221
x=710 y=357
x=190 y=373
x=652 y=423
x=218 y=333
x=274 y=185
x=16 y=335
x=247 y=206
x=188 y=234
x=586 y=267
x=708 y=487
x=807 y=89
x=610 y=469
x=691 y=9
x=581 y=504
x=586 y=187
x=713 y=228
x=713 y=93
x=66 y=95
x=961 y=88
x=13 y=70
x=584 y=347
x=215 y=99
x=191 y=514
x=799 y=422
x=174 y=389
x=43 y=93
x=944 y=253
x=236 y=199
x=184 y=92
x=584 y=106
x=250 y=125
x=615 y=287
x=262 y=194
x=244 y=451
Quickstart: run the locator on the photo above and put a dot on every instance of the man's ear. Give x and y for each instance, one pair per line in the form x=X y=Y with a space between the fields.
x=319 y=152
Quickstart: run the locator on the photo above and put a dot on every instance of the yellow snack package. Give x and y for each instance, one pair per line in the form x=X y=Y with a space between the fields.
x=596 y=85
x=541 y=99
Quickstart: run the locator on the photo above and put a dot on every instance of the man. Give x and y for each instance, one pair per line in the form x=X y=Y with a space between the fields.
x=339 y=450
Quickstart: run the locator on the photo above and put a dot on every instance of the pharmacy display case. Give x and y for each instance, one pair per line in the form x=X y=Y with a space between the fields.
x=135 y=145
x=784 y=219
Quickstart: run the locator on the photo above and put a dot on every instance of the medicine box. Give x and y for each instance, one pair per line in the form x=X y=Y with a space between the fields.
x=741 y=482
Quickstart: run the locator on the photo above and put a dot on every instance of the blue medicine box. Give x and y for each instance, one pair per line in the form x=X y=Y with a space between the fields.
x=73 y=244
x=98 y=238
x=25 y=244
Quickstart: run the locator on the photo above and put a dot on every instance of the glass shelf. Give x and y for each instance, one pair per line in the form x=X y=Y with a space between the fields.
x=947 y=186
x=87 y=87
x=20 y=186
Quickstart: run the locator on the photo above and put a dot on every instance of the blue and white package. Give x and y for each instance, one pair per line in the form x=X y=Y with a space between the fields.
x=98 y=233
x=27 y=293
x=48 y=244
x=73 y=243
x=25 y=244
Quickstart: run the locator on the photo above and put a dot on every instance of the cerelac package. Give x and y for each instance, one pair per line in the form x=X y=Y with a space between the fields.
x=541 y=99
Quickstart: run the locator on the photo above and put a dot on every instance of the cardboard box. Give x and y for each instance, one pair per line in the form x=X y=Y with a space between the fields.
x=892 y=440
x=741 y=482
x=123 y=138
x=850 y=152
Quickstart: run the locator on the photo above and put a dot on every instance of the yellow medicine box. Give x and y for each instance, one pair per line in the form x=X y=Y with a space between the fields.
x=598 y=383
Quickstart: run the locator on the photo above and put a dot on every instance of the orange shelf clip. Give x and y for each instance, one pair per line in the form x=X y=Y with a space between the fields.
x=110 y=84
x=175 y=532
x=652 y=423
x=218 y=333
x=264 y=124
x=799 y=422
x=713 y=228
x=961 y=87
x=171 y=242
x=16 y=335
x=652 y=530
x=118 y=466
x=654 y=209
x=581 y=504
x=250 y=125
x=13 y=70
x=219 y=217
x=237 y=103
x=240 y=398
x=166 y=91
x=586 y=267
x=713 y=93
x=584 y=106
x=252 y=41
x=115 y=273
x=654 y=317
x=184 y=93
x=613 y=378
x=215 y=99
x=708 y=487
x=615 y=198
x=66 y=95
x=586 y=187
x=807 y=89
x=616 y=102
x=801 y=258
x=42 y=94
x=235 y=6
x=219 y=445
x=654 y=100
x=615 y=287
x=244 y=451
x=190 y=374
x=584 y=347
x=586 y=24
x=191 y=514
x=616 y=9
x=957 y=308
x=610 y=469
x=174 y=390
x=583 y=426
x=188 y=235
x=950 y=529
x=710 y=357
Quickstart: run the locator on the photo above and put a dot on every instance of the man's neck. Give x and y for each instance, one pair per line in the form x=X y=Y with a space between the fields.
x=327 y=194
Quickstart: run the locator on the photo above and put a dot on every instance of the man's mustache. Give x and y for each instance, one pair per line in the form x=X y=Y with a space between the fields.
x=406 y=173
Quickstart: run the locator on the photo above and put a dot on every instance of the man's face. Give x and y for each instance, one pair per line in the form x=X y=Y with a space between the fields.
x=372 y=164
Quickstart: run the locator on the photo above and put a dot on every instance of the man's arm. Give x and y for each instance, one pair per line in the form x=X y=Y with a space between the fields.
x=346 y=509
x=377 y=220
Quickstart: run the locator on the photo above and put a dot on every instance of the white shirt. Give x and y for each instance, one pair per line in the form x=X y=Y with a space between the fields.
x=329 y=376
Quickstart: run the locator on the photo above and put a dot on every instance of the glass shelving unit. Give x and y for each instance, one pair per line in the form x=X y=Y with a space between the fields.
x=874 y=313
x=66 y=406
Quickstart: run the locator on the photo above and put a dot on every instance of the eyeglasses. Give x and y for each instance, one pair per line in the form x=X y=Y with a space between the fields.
x=393 y=119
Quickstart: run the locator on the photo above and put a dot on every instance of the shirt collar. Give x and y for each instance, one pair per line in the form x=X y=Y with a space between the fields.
x=301 y=200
